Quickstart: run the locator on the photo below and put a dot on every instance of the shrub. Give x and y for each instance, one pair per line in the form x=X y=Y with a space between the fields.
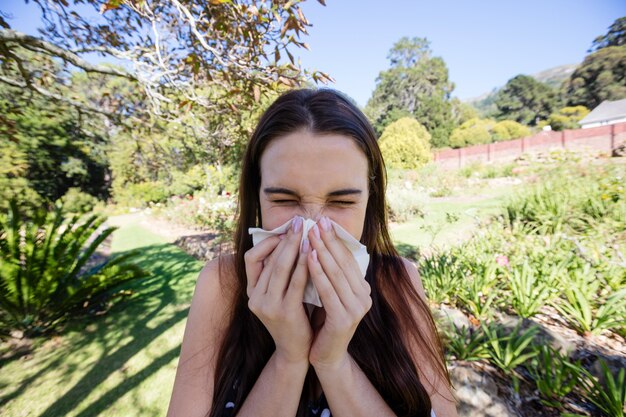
x=76 y=201
x=141 y=194
x=473 y=132
x=405 y=143
x=203 y=210
x=403 y=204
x=567 y=118
x=44 y=271
x=509 y=129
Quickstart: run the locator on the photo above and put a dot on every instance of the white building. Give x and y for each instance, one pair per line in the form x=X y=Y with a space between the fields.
x=607 y=113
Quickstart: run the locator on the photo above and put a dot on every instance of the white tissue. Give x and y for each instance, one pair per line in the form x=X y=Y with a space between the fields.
x=358 y=250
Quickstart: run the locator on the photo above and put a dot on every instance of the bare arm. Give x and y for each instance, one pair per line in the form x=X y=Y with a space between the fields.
x=277 y=391
x=208 y=315
x=350 y=393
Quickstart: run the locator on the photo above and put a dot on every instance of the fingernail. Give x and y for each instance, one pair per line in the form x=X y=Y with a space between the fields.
x=305 y=246
x=325 y=223
x=281 y=237
x=316 y=231
x=297 y=224
x=314 y=254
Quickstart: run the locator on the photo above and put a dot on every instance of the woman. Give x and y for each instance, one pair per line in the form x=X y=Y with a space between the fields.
x=249 y=348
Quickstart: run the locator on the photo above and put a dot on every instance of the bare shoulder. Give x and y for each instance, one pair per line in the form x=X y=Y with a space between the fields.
x=414 y=273
x=207 y=322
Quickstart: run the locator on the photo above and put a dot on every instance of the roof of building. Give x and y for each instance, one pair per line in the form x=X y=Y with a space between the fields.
x=607 y=110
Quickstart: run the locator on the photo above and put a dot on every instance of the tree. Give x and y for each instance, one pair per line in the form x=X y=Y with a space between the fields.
x=525 y=100
x=50 y=147
x=405 y=144
x=601 y=76
x=416 y=85
x=173 y=47
x=616 y=36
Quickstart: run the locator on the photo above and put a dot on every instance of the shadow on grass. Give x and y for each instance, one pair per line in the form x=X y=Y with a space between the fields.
x=143 y=317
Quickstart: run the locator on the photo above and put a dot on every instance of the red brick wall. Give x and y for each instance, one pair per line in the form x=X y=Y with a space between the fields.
x=598 y=139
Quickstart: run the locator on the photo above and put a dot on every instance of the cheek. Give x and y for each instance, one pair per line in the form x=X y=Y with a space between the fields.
x=351 y=220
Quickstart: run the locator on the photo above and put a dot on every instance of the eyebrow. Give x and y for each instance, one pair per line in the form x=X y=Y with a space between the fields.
x=337 y=193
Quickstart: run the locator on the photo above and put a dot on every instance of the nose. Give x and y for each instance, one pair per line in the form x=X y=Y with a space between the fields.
x=313 y=211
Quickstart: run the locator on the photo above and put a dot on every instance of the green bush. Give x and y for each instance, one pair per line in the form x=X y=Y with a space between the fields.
x=509 y=129
x=141 y=194
x=405 y=144
x=44 y=269
x=473 y=132
x=76 y=201
x=567 y=118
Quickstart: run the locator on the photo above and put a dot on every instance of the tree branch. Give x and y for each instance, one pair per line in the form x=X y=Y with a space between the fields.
x=54 y=96
x=39 y=45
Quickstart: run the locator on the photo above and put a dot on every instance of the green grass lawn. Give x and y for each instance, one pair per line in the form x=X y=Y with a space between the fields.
x=120 y=364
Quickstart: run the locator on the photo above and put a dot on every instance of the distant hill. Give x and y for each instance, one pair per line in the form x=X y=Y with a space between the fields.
x=554 y=77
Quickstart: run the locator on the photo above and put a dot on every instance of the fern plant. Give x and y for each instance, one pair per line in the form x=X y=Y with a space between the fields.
x=43 y=267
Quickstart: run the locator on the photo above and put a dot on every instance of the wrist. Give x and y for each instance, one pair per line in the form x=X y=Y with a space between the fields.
x=284 y=360
x=340 y=364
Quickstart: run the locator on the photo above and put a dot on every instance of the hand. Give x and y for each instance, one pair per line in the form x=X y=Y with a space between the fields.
x=343 y=292
x=275 y=291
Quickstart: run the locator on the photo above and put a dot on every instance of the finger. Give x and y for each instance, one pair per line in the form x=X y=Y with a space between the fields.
x=283 y=266
x=332 y=270
x=343 y=257
x=328 y=296
x=270 y=261
x=297 y=285
x=255 y=257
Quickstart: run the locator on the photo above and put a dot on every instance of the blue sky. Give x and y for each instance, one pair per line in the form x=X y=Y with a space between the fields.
x=484 y=43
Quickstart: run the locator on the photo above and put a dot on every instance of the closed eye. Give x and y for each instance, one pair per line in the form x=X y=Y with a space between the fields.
x=343 y=202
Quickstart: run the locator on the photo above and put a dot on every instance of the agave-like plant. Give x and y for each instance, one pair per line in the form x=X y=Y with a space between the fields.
x=554 y=374
x=44 y=273
x=610 y=395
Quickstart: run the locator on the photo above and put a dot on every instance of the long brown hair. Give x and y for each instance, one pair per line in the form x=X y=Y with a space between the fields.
x=380 y=343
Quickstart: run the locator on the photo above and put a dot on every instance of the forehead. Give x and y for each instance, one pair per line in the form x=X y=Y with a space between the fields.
x=303 y=159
